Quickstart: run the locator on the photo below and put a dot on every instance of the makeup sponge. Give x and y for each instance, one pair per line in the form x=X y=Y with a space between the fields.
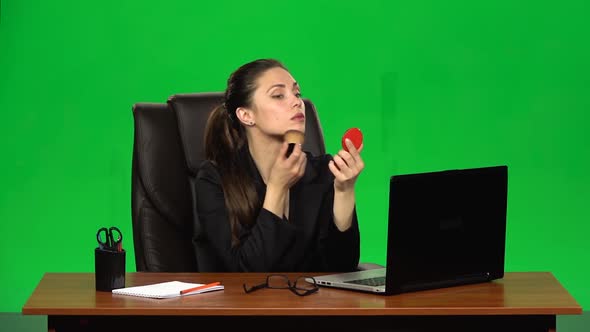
x=293 y=137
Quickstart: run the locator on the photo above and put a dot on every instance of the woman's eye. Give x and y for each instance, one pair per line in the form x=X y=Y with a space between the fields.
x=298 y=94
x=278 y=96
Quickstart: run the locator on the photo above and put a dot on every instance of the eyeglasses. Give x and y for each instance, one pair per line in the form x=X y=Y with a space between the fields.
x=302 y=286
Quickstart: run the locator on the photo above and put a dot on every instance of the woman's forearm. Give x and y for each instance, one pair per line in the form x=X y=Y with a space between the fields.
x=274 y=200
x=343 y=208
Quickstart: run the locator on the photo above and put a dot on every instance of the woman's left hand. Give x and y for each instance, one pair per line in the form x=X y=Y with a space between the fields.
x=346 y=167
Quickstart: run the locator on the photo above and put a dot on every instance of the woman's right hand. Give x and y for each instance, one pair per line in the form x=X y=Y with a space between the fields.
x=287 y=171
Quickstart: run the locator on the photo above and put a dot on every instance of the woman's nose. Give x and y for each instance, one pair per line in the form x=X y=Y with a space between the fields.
x=297 y=101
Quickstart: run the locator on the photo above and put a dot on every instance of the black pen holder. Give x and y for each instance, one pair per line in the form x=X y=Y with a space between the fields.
x=109 y=269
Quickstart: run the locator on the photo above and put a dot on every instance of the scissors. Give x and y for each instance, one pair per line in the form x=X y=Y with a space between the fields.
x=109 y=239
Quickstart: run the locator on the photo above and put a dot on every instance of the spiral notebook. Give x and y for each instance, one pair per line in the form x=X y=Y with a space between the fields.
x=165 y=290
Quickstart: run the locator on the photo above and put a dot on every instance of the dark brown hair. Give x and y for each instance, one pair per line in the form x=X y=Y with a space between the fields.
x=225 y=136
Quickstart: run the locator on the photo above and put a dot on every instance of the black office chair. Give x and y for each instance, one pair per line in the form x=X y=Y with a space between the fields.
x=160 y=193
x=168 y=147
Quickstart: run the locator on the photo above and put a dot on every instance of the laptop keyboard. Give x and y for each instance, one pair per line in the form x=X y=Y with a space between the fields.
x=377 y=281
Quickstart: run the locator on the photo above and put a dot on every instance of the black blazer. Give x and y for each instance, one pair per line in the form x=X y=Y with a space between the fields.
x=307 y=242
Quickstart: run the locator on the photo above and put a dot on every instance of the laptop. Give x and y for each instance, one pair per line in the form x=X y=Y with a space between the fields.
x=445 y=228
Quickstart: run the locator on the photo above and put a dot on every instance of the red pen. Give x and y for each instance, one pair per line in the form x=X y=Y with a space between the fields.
x=184 y=291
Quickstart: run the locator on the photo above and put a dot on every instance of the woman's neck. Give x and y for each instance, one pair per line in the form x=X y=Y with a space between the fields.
x=264 y=150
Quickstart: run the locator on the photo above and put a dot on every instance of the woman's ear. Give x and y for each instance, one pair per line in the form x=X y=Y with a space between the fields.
x=245 y=116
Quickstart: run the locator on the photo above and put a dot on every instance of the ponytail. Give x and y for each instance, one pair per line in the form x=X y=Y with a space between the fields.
x=224 y=138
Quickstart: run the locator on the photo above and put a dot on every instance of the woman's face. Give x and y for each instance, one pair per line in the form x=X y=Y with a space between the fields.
x=277 y=104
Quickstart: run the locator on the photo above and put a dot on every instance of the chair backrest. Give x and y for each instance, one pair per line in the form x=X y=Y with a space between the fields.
x=160 y=199
x=168 y=148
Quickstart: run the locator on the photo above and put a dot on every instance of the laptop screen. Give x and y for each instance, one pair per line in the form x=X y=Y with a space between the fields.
x=446 y=227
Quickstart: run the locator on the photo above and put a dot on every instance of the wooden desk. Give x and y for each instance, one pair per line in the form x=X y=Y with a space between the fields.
x=520 y=301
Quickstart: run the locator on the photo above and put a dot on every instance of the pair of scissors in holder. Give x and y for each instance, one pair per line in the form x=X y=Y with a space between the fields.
x=110 y=239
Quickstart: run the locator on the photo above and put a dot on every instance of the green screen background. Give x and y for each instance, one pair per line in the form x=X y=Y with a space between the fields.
x=433 y=85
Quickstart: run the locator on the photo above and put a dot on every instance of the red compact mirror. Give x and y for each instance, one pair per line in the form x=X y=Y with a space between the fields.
x=355 y=136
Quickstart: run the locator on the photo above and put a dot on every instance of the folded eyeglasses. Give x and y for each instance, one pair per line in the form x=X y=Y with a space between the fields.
x=302 y=286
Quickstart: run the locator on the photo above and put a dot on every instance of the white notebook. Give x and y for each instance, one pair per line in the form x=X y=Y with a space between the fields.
x=166 y=290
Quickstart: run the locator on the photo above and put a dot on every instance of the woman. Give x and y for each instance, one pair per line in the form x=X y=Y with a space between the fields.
x=260 y=210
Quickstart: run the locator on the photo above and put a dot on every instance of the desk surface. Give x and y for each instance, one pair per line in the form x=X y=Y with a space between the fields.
x=526 y=293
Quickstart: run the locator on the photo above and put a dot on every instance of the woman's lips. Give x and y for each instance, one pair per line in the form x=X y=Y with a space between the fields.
x=298 y=117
